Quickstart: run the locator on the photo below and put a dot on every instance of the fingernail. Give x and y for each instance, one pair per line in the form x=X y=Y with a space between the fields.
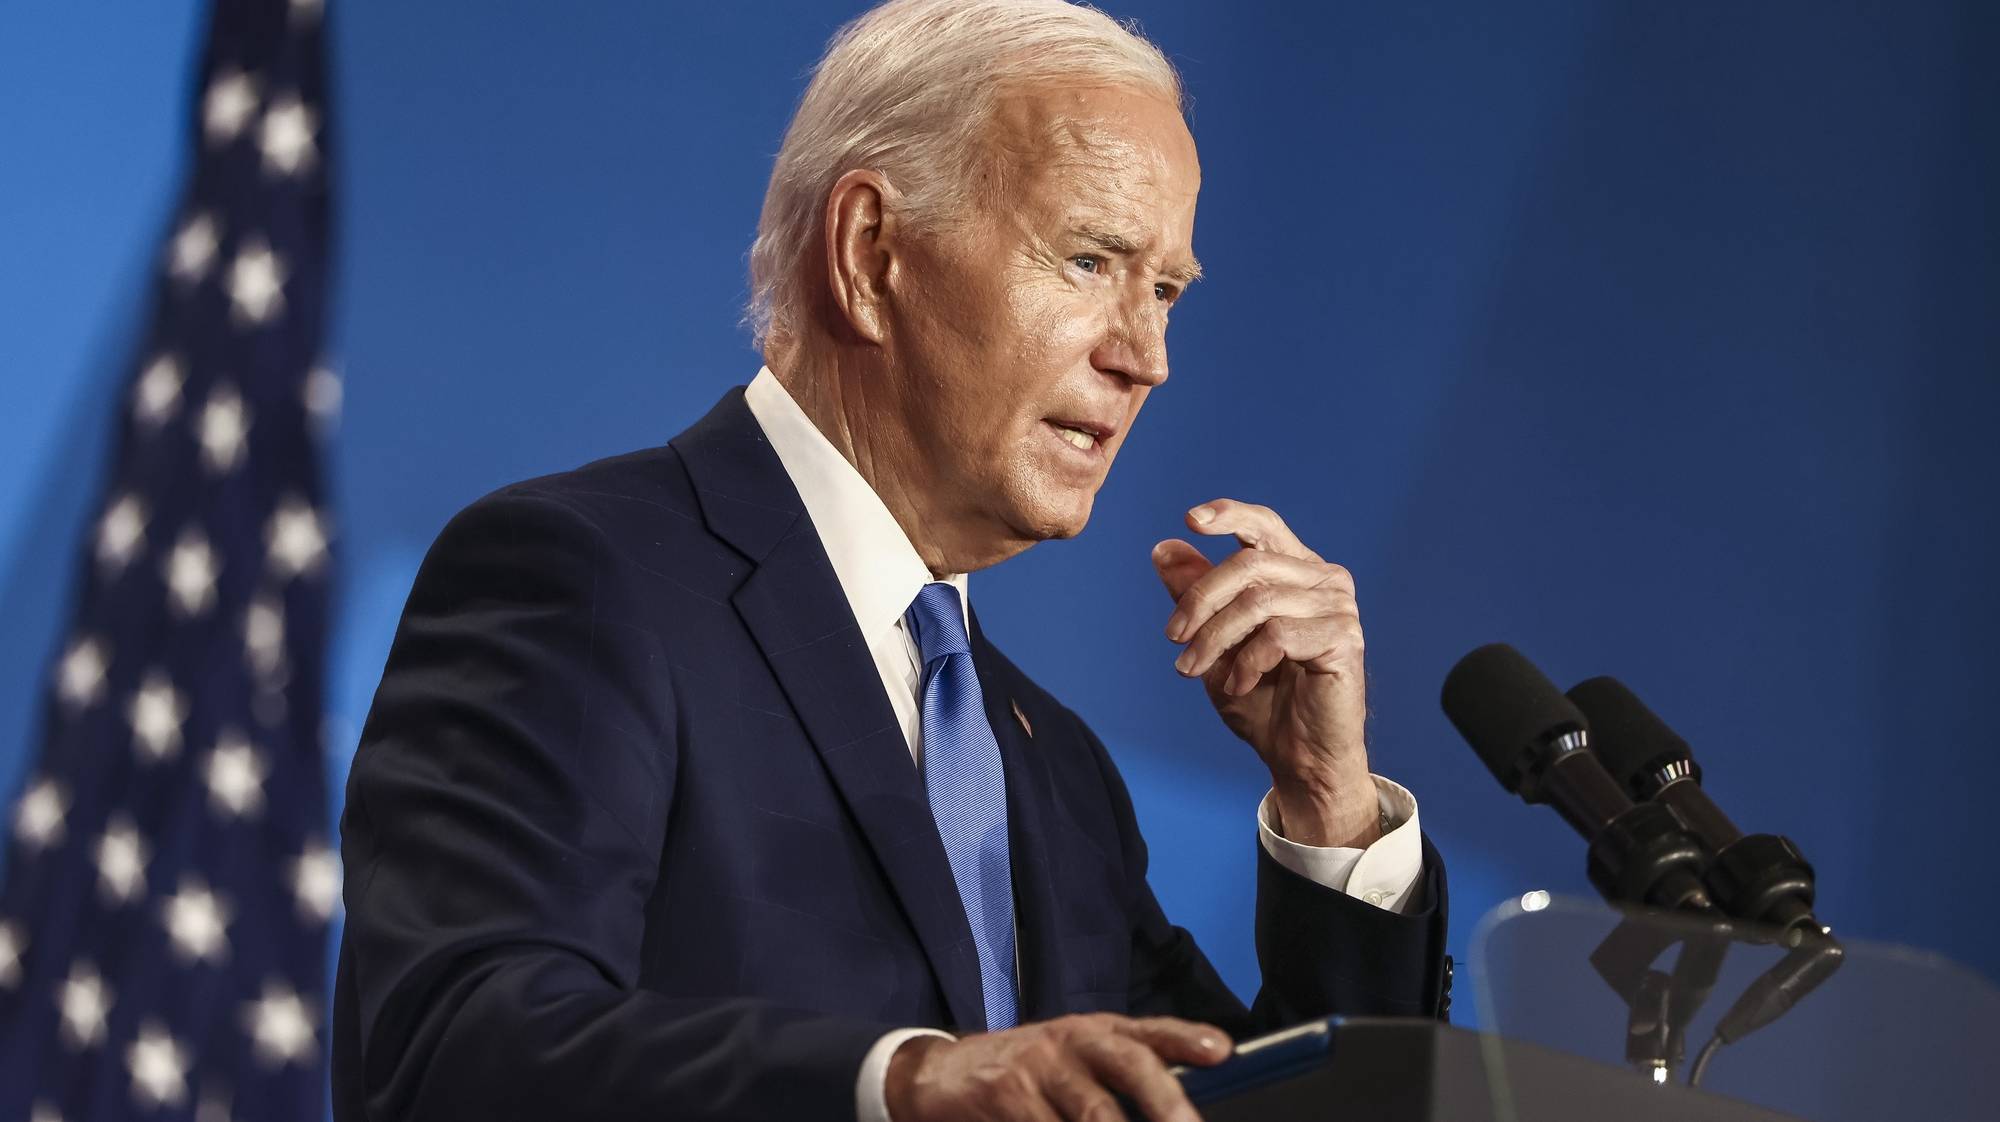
x=1175 y=626
x=1209 y=1043
x=1203 y=514
x=1182 y=663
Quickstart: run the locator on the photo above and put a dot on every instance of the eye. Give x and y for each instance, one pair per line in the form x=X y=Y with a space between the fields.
x=1088 y=262
x=1166 y=293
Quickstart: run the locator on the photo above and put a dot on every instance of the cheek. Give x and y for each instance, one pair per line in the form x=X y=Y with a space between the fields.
x=1056 y=328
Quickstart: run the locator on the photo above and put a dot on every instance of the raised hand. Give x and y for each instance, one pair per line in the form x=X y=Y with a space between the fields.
x=1274 y=633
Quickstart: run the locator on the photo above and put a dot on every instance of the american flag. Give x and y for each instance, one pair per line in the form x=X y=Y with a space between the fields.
x=169 y=881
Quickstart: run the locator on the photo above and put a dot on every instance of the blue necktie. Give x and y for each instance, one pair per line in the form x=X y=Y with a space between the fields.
x=968 y=793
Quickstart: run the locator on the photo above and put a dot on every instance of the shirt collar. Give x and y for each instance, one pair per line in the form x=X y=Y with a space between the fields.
x=877 y=567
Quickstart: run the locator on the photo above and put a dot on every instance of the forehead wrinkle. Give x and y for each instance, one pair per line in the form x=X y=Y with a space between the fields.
x=1036 y=139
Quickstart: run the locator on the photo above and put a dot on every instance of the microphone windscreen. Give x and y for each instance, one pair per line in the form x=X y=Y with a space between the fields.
x=1507 y=710
x=1629 y=738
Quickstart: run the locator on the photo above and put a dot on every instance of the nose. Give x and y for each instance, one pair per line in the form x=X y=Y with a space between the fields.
x=1134 y=345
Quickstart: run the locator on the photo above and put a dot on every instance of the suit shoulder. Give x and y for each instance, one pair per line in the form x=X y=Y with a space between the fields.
x=646 y=483
x=646 y=489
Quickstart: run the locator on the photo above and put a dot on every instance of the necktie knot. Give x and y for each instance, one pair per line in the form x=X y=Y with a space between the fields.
x=938 y=622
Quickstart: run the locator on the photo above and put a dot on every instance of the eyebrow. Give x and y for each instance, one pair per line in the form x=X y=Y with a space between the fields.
x=1111 y=242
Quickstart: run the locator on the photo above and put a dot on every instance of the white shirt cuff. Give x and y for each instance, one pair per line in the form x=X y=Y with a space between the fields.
x=1382 y=874
x=870 y=1101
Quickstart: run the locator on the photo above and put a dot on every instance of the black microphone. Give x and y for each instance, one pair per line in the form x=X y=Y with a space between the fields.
x=1537 y=744
x=1758 y=877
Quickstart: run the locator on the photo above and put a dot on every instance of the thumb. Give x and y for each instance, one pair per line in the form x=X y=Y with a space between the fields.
x=1179 y=565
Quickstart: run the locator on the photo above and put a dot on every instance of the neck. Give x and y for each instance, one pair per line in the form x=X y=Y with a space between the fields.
x=854 y=398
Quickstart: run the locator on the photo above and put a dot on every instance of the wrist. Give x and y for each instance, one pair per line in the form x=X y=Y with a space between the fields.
x=1324 y=809
x=899 y=1081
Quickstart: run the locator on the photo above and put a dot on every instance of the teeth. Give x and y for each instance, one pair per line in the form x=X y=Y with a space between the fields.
x=1083 y=440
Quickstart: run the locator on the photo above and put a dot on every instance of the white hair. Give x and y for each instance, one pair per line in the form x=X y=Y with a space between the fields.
x=906 y=89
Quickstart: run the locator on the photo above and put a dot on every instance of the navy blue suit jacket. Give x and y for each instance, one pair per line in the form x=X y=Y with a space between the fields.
x=633 y=831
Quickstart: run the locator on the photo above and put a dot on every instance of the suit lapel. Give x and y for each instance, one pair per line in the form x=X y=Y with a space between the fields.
x=793 y=607
x=1028 y=797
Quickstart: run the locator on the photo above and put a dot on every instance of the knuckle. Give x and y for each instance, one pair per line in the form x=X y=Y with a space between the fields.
x=1099 y=1107
x=992 y=1080
x=1201 y=597
x=1082 y=1028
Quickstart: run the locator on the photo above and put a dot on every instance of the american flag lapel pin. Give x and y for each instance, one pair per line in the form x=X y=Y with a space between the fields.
x=1023 y=718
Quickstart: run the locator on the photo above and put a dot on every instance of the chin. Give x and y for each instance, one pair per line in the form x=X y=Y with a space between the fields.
x=1045 y=520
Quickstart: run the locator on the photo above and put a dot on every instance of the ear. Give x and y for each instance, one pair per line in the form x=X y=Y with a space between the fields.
x=860 y=249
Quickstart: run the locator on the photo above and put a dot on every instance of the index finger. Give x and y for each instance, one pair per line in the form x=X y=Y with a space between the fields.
x=1178 y=1041
x=1256 y=527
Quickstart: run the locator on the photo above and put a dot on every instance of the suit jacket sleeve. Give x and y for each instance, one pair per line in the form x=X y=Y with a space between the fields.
x=1321 y=951
x=505 y=818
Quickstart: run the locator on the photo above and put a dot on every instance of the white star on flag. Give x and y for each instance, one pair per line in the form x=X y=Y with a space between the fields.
x=225 y=422
x=316 y=882
x=295 y=538
x=264 y=634
x=323 y=393
x=159 y=1067
x=121 y=861
x=80 y=675
x=158 y=392
x=13 y=941
x=231 y=98
x=198 y=922
x=280 y=1025
x=190 y=571
x=235 y=776
x=156 y=713
x=306 y=9
x=38 y=817
x=194 y=247
x=286 y=137
x=120 y=532
x=256 y=282
x=85 y=999
x=43 y=1112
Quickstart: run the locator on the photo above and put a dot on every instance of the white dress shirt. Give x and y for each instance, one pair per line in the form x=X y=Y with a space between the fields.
x=880 y=573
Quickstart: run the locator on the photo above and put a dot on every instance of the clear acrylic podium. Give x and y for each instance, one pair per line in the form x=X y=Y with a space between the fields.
x=1585 y=1012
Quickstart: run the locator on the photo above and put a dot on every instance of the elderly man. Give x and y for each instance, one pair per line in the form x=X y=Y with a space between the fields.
x=693 y=789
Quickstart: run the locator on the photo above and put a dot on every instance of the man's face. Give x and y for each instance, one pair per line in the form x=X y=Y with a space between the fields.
x=1028 y=340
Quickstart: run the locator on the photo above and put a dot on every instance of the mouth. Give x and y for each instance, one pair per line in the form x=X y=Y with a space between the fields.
x=1086 y=437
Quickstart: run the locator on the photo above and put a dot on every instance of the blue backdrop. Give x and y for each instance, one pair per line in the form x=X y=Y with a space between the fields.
x=1659 y=340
